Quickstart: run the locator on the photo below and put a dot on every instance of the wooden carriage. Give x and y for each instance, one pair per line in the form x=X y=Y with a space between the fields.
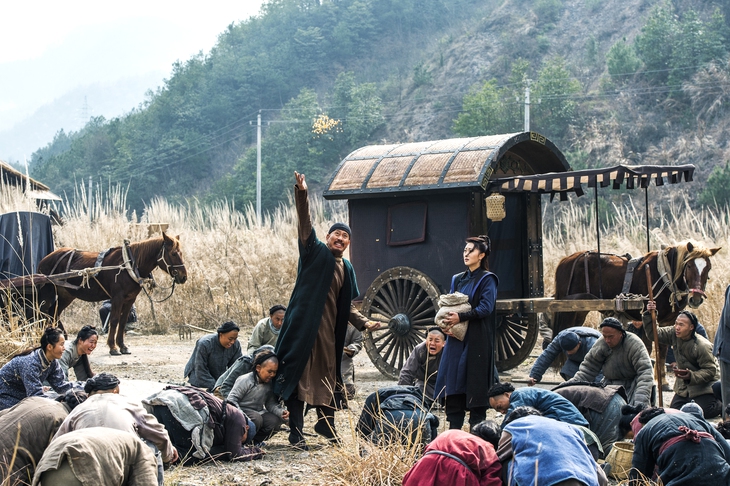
x=410 y=208
x=412 y=205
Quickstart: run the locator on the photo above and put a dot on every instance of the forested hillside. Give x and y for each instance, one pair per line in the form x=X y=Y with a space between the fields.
x=634 y=81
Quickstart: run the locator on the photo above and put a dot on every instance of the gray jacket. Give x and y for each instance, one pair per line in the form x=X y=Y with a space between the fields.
x=417 y=366
x=209 y=361
x=722 y=335
x=263 y=333
x=353 y=342
x=695 y=354
x=250 y=394
x=628 y=364
x=71 y=359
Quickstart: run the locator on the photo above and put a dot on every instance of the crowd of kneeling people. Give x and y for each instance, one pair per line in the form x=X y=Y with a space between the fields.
x=55 y=431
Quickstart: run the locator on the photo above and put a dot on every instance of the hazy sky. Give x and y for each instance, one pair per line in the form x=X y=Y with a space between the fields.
x=50 y=47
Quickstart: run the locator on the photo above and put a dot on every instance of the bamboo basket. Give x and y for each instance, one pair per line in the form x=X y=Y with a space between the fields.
x=620 y=460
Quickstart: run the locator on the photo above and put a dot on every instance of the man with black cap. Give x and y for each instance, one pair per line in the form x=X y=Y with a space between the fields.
x=106 y=408
x=575 y=342
x=313 y=334
x=623 y=360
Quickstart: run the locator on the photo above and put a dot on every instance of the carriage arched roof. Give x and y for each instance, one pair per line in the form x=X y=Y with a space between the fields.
x=456 y=164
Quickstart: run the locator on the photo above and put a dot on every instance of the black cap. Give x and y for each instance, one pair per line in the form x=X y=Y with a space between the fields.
x=614 y=323
x=340 y=226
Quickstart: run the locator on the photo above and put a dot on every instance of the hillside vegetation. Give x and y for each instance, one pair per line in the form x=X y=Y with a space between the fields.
x=635 y=81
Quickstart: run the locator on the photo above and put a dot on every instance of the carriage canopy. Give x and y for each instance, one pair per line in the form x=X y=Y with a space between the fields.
x=452 y=165
x=628 y=176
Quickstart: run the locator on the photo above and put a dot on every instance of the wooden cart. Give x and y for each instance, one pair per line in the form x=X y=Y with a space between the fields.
x=412 y=205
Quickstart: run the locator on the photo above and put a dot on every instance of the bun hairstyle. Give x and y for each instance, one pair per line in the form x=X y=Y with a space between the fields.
x=500 y=389
x=647 y=414
x=489 y=430
x=85 y=333
x=519 y=413
x=73 y=398
x=483 y=245
x=51 y=336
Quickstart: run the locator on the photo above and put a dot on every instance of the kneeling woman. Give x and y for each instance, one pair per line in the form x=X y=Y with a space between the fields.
x=76 y=354
x=254 y=395
x=23 y=376
x=212 y=356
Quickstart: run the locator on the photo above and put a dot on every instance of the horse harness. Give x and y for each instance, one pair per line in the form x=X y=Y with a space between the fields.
x=128 y=264
x=666 y=275
x=665 y=271
x=587 y=275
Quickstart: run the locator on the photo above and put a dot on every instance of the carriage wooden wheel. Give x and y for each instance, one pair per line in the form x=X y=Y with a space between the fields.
x=407 y=300
x=516 y=336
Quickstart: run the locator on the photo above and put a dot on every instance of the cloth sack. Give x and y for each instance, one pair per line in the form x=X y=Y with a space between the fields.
x=456 y=302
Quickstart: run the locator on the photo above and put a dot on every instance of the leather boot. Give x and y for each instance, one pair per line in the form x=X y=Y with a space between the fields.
x=325 y=425
x=296 y=422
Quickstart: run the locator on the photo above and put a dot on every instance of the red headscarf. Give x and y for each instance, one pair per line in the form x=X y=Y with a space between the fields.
x=484 y=468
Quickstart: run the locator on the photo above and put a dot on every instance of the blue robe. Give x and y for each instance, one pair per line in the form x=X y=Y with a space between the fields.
x=551 y=450
x=468 y=366
x=550 y=404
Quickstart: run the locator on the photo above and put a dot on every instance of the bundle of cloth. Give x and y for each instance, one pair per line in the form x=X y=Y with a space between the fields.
x=396 y=414
x=456 y=302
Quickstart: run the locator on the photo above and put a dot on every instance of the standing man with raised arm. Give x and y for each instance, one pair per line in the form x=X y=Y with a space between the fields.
x=313 y=334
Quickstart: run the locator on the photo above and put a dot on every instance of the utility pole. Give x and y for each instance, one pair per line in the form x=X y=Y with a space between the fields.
x=527 y=105
x=89 y=205
x=258 y=169
x=85 y=112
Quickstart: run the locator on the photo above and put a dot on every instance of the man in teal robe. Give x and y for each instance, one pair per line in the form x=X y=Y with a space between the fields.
x=313 y=334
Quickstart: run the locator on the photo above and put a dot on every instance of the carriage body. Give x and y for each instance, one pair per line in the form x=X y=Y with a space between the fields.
x=411 y=206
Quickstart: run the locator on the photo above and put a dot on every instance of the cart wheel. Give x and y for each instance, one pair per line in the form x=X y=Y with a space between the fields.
x=516 y=336
x=407 y=300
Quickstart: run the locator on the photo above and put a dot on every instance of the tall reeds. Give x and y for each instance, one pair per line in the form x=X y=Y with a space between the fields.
x=237 y=268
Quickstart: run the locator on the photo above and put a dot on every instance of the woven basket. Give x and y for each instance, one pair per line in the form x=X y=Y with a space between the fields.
x=620 y=459
x=495 y=207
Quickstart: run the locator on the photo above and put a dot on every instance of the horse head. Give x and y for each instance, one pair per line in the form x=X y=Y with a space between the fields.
x=170 y=258
x=697 y=267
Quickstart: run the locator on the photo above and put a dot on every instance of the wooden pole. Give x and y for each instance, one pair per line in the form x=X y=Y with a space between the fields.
x=658 y=366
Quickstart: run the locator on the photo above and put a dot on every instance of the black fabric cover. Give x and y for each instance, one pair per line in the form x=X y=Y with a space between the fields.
x=507 y=258
x=26 y=239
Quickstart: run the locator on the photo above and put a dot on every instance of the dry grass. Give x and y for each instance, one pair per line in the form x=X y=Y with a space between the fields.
x=238 y=269
x=359 y=462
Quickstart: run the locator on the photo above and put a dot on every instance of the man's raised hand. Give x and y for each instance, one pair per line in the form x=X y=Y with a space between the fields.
x=301 y=183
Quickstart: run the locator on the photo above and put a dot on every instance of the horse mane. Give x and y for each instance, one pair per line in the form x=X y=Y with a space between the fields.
x=148 y=249
x=684 y=255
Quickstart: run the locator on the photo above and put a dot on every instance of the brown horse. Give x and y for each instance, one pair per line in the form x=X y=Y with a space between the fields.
x=685 y=269
x=119 y=278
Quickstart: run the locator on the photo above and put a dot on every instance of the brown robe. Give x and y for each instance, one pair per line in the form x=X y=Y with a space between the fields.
x=319 y=379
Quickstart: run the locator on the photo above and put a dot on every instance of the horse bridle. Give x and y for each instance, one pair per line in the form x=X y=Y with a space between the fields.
x=170 y=268
x=670 y=280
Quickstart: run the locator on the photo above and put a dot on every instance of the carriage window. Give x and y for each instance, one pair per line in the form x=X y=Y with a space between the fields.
x=407 y=223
